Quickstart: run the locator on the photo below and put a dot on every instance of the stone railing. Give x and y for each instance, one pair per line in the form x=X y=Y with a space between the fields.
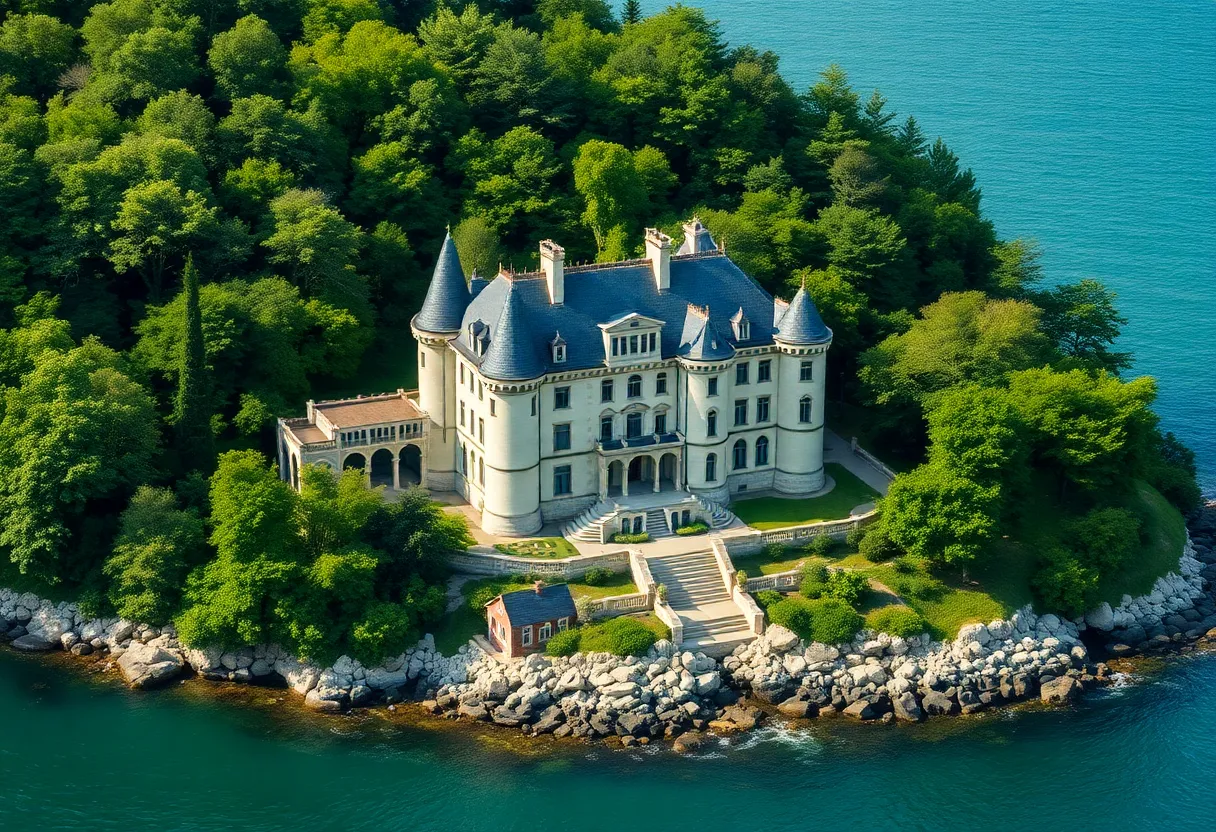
x=743 y=542
x=482 y=560
x=874 y=461
x=780 y=581
x=750 y=609
x=668 y=616
x=640 y=570
x=619 y=604
x=725 y=568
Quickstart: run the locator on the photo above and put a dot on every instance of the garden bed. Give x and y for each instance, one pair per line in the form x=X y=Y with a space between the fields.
x=539 y=548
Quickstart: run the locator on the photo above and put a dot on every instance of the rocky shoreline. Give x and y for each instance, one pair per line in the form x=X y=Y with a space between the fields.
x=677 y=695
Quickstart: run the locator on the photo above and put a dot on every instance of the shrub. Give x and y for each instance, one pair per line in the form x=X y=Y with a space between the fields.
x=765 y=598
x=598 y=576
x=847 y=586
x=661 y=591
x=919 y=585
x=820 y=545
x=814 y=580
x=896 y=620
x=854 y=537
x=623 y=537
x=772 y=552
x=877 y=545
x=697 y=527
x=1064 y=583
x=619 y=636
x=829 y=620
x=1105 y=537
x=583 y=606
x=909 y=564
x=483 y=595
x=564 y=643
x=741 y=577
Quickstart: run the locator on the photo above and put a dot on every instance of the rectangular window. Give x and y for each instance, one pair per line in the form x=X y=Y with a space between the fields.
x=561 y=480
x=606 y=390
x=740 y=411
x=762 y=409
x=765 y=371
x=462 y=414
x=660 y=384
x=741 y=373
x=660 y=423
x=713 y=386
x=525 y=636
x=492 y=413
x=805 y=371
x=561 y=398
x=633 y=344
x=652 y=341
x=534 y=405
x=562 y=624
x=605 y=428
x=633 y=425
x=422 y=359
x=481 y=390
x=633 y=388
x=616 y=346
x=481 y=431
x=462 y=374
x=561 y=437
x=546 y=632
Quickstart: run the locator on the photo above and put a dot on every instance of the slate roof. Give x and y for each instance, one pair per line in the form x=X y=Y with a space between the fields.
x=705 y=343
x=801 y=323
x=527 y=606
x=448 y=296
x=598 y=294
x=702 y=240
x=514 y=354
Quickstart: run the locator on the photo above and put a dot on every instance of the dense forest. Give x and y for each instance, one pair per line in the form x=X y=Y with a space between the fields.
x=210 y=209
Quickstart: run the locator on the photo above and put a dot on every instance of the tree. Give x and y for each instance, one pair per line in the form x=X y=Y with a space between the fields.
x=631 y=11
x=940 y=515
x=76 y=436
x=317 y=248
x=511 y=181
x=36 y=49
x=325 y=17
x=832 y=94
x=978 y=432
x=148 y=64
x=157 y=223
x=948 y=181
x=192 y=407
x=157 y=545
x=180 y=115
x=1083 y=321
x=458 y=42
x=261 y=127
x=332 y=511
x=605 y=176
x=390 y=181
x=478 y=246
x=513 y=84
x=856 y=179
x=1018 y=267
x=248 y=59
x=963 y=337
x=877 y=119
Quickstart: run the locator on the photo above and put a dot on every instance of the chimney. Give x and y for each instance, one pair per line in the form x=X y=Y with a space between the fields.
x=553 y=264
x=538 y=586
x=658 y=251
x=694 y=234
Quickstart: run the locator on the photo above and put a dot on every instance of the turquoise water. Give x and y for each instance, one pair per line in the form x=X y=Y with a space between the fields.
x=1092 y=127
x=92 y=756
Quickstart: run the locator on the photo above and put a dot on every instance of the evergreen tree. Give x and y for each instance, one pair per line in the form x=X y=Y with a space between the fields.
x=632 y=11
x=191 y=410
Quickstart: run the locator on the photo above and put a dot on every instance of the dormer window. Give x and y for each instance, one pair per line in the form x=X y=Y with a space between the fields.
x=558 y=346
x=741 y=326
x=479 y=337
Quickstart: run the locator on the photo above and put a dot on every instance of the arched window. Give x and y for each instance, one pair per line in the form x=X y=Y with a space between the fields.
x=762 y=451
x=481 y=467
x=739 y=455
x=711 y=423
x=711 y=468
x=634 y=388
x=464 y=461
x=633 y=425
x=804 y=409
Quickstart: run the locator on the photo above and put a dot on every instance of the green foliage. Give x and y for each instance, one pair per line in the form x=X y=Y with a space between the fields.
x=694 y=528
x=619 y=636
x=765 y=598
x=1064 y=583
x=826 y=620
x=936 y=513
x=853 y=537
x=741 y=577
x=192 y=407
x=847 y=586
x=564 y=643
x=622 y=537
x=820 y=545
x=896 y=621
x=597 y=576
x=1106 y=537
x=1170 y=468
x=157 y=545
x=248 y=59
x=877 y=546
x=1083 y=321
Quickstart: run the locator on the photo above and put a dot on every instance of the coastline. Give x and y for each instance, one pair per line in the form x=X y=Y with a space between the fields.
x=683 y=697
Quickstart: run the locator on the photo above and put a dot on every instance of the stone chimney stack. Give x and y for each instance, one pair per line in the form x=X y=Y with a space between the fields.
x=658 y=251
x=537 y=586
x=553 y=264
x=694 y=237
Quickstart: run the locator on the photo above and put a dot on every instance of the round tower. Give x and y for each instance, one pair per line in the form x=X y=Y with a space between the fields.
x=706 y=426
x=434 y=327
x=803 y=341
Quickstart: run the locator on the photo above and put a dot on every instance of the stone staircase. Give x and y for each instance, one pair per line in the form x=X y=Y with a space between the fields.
x=589 y=525
x=697 y=593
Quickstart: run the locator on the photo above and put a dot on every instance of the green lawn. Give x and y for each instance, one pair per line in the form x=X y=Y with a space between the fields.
x=775 y=513
x=457 y=627
x=542 y=548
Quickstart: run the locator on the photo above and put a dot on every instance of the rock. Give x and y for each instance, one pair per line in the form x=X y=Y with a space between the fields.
x=82 y=648
x=314 y=702
x=906 y=708
x=743 y=717
x=473 y=711
x=1062 y=689
x=689 y=742
x=797 y=708
x=550 y=720
x=146 y=666
x=936 y=703
x=780 y=639
x=863 y=709
x=707 y=683
x=360 y=695
x=33 y=643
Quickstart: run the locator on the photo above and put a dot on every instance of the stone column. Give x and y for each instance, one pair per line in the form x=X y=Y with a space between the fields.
x=675 y=475
x=397 y=471
x=656 y=474
x=625 y=477
x=603 y=480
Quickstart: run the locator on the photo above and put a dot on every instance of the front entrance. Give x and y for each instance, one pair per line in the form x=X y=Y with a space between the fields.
x=641 y=471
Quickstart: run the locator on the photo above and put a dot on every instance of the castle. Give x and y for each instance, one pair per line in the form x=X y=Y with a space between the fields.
x=542 y=394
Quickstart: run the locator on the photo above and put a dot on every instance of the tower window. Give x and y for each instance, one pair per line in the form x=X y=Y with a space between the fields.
x=561 y=437
x=762 y=451
x=711 y=468
x=739 y=455
x=711 y=423
x=713 y=386
x=804 y=409
x=764 y=371
x=806 y=371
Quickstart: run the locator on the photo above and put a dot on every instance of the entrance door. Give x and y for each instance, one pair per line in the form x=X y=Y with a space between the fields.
x=637 y=524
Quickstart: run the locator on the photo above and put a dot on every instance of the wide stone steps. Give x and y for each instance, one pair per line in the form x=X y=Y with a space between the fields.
x=697 y=593
x=716 y=626
x=656 y=524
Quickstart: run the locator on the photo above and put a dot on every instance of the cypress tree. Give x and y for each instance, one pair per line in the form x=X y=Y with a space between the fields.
x=191 y=409
x=632 y=12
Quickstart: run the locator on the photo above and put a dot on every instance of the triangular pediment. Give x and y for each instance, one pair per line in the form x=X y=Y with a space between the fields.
x=630 y=322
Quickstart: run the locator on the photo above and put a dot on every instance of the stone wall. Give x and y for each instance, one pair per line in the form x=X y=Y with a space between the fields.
x=485 y=561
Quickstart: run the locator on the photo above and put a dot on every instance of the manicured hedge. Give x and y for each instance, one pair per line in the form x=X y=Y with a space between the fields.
x=896 y=620
x=828 y=620
x=619 y=636
x=622 y=537
x=693 y=528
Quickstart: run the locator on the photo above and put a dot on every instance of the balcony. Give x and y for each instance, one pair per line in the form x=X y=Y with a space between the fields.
x=649 y=440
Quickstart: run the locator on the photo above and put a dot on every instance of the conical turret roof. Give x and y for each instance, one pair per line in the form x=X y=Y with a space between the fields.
x=801 y=323
x=448 y=295
x=514 y=354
